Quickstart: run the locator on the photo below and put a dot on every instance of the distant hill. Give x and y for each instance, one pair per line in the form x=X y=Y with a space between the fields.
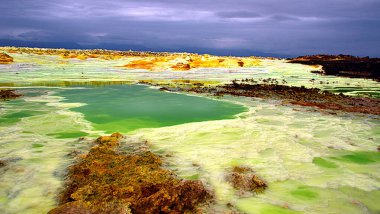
x=38 y=44
x=228 y=52
x=134 y=47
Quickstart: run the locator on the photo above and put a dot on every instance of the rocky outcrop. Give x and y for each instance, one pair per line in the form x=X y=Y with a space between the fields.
x=343 y=65
x=3 y=163
x=108 y=181
x=6 y=163
x=244 y=179
x=8 y=94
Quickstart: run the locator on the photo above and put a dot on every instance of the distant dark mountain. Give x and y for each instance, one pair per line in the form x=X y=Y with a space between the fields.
x=38 y=44
x=228 y=52
x=117 y=47
x=134 y=47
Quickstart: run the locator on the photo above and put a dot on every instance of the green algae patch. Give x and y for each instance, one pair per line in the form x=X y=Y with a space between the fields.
x=277 y=210
x=37 y=145
x=17 y=116
x=20 y=114
x=357 y=158
x=360 y=197
x=252 y=206
x=192 y=177
x=324 y=163
x=35 y=161
x=64 y=135
x=125 y=108
x=107 y=180
x=304 y=193
x=364 y=157
x=236 y=162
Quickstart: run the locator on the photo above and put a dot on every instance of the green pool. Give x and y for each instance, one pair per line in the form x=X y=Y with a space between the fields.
x=124 y=108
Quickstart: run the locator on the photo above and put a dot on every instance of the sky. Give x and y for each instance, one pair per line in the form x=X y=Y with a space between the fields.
x=234 y=27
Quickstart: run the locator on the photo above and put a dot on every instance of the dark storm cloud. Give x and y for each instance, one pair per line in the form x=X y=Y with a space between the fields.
x=285 y=27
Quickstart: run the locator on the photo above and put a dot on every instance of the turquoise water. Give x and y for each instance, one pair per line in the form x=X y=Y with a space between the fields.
x=124 y=108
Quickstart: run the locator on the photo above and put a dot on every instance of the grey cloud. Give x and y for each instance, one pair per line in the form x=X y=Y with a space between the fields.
x=284 y=18
x=290 y=27
x=238 y=14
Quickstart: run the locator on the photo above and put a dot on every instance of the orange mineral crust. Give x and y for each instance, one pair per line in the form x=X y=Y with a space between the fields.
x=5 y=58
x=107 y=180
x=153 y=61
x=193 y=61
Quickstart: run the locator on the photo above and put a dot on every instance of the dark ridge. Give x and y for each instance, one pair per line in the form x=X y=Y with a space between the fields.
x=142 y=48
x=344 y=65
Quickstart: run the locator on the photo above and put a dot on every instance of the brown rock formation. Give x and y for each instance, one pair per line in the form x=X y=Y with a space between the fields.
x=107 y=181
x=8 y=94
x=5 y=58
x=3 y=163
x=243 y=178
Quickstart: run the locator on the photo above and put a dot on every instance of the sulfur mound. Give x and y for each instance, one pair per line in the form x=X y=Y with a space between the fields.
x=108 y=181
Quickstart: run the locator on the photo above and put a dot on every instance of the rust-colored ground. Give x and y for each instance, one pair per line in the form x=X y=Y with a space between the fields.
x=107 y=181
x=5 y=58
